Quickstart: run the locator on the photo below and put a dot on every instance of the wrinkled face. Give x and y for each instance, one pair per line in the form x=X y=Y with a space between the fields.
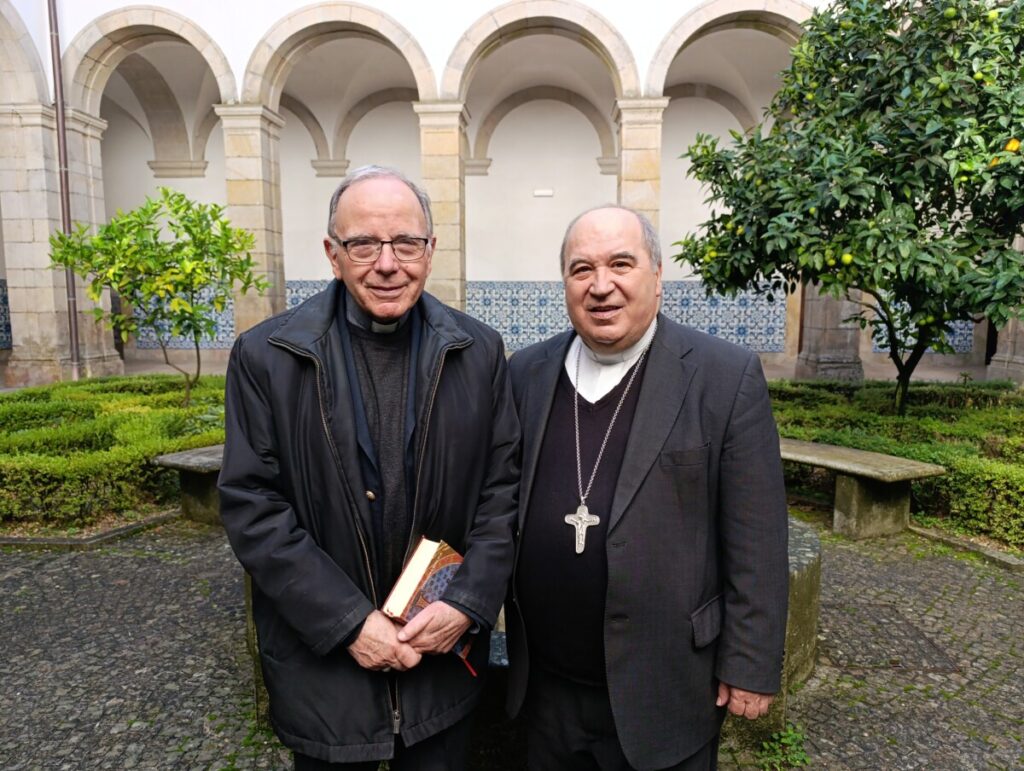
x=611 y=292
x=383 y=208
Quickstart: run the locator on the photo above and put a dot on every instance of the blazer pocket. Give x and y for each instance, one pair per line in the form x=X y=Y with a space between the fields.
x=696 y=456
x=707 y=621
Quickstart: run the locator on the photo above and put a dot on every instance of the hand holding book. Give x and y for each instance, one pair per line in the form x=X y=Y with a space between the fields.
x=431 y=625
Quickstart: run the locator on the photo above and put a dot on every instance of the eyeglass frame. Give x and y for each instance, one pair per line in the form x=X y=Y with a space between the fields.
x=380 y=247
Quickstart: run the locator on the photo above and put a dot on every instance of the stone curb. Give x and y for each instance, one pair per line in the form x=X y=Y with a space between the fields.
x=92 y=541
x=1008 y=561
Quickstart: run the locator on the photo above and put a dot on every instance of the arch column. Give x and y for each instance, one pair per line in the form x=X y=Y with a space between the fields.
x=829 y=345
x=252 y=171
x=639 y=126
x=1008 y=359
x=29 y=200
x=442 y=153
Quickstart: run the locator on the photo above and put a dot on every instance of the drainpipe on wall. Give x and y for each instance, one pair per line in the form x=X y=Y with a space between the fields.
x=65 y=196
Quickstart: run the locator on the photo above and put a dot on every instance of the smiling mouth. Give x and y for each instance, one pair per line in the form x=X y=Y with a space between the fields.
x=603 y=311
x=386 y=291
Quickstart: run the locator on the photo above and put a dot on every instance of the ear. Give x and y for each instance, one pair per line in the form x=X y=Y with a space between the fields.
x=430 y=253
x=334 y=256
x=657 y=288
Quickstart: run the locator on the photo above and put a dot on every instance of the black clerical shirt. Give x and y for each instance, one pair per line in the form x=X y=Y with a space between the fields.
x=561 y=593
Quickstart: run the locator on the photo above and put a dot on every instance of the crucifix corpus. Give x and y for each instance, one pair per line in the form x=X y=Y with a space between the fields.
x=581 y=520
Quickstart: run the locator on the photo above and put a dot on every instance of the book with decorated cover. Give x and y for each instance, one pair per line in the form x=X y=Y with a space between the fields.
x=423 y=580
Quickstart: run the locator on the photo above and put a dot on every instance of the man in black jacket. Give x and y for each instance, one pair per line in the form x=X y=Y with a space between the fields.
x=651 y=576
x=362 y=419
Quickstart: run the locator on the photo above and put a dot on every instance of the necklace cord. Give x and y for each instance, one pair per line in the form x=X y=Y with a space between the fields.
x=576 y=418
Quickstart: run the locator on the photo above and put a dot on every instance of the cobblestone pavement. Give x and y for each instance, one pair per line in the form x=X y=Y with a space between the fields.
x=133 y=656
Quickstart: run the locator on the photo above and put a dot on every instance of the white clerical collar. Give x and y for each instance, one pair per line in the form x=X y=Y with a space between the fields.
x=601 y=372
x=358 y=317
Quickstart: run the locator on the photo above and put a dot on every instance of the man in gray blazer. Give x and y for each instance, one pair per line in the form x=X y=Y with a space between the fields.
x=650 y=587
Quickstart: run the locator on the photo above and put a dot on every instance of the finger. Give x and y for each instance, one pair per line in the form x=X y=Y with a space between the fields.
x=723 y=695
x=408 y=657
x=416 y=625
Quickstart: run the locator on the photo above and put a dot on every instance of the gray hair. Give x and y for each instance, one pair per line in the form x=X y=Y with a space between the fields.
x=651 y=241
x=379 y=172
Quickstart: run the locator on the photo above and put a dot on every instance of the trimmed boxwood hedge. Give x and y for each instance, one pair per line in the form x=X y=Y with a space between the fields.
x=72 y=452
x=975 y=430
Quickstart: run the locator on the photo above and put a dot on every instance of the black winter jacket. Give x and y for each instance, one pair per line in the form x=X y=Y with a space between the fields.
x=299 y=519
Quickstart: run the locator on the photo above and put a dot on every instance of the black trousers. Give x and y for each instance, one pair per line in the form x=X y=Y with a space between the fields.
x=445 y=751
x=570 y=727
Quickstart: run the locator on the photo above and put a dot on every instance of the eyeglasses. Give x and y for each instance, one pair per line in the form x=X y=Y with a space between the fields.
x=367 y=250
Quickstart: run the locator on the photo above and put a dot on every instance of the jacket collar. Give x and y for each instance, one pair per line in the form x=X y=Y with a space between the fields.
x=307 y=326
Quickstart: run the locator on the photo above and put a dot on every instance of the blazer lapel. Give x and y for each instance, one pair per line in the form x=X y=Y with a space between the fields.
x=540 y=394
x=666 y=381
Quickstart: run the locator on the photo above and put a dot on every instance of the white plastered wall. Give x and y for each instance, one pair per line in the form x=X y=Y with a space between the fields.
x=512 y=234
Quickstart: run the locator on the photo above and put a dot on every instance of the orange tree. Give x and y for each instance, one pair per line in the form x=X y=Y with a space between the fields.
x=173 y=260
x=892 y=174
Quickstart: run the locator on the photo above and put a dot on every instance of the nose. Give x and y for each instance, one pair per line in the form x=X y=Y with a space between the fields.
x=601 y=284
x=386 y=260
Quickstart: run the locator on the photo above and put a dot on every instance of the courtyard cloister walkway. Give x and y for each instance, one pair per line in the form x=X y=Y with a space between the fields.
x=132 y=656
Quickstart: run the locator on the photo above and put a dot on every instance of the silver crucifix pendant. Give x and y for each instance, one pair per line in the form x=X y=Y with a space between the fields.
x=581 y=520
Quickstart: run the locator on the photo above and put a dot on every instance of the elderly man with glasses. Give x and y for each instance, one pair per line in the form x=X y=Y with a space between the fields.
x=367 y=417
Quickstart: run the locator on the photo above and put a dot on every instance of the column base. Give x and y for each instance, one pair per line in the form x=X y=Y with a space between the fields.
x=22 y=371
x=843 y=368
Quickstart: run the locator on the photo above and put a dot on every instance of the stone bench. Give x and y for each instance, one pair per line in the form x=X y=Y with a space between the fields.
x=872 y=494
x=197 y=471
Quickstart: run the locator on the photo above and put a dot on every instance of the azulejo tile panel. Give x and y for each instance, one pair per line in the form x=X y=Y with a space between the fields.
x=6 y=342
x=297 y=292
x=961 y=338
x=526 y=312
x=224 y=336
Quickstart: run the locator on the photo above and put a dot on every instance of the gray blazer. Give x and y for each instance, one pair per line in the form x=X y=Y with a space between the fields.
x=696 y=544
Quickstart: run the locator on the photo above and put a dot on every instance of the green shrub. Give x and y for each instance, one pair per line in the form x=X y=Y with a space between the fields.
x=73 y=452
x=976 y=431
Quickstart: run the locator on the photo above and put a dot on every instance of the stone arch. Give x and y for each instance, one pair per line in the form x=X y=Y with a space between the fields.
x=201 y=134
x=608 y=162
x=172 y=151
x=715 y=94
x=780 y=18
x=275 y=55
x=100 y=47
x=23 y=79
x=359 y=111
x=306 y=117
x=526 y=17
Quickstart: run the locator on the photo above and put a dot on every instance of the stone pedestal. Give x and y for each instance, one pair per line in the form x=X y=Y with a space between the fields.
x=639 y=124
x=252 y=173
x=801 y=636
x=442 y=153
x=829 y=345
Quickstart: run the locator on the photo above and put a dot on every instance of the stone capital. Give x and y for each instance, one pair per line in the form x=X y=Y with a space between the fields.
x=28 y=115
x=442 y=114
x=640 y=111
x=85 y=123
x=249 y=116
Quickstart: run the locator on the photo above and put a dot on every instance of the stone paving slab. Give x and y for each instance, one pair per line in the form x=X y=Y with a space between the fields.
x=132 y=656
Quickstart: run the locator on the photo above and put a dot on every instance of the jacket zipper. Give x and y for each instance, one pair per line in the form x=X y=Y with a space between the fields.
x=337 y=458
x=396 y=712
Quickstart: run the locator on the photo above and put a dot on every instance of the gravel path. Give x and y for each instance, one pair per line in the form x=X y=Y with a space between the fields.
x=132 y=656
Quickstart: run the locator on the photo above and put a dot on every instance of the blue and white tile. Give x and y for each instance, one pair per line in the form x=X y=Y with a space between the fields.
x=224 y=336
x=526 y=312
x=6 y=341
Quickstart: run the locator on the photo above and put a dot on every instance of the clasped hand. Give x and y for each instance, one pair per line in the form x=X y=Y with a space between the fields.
x=383 y=645
x=743 y=703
